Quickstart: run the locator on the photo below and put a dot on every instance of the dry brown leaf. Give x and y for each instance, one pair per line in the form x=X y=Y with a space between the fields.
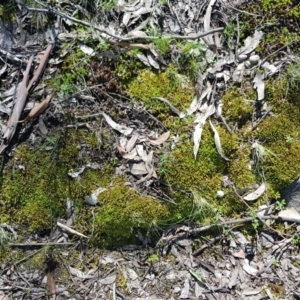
x=239 y=254
x=130 y=155
x=121 y=150
x=51 y=286
x=131 y=143
x=126 y=155
x=38 y=109
x=161 y=139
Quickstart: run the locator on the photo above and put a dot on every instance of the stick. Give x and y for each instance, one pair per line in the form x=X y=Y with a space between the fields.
x=71 y=230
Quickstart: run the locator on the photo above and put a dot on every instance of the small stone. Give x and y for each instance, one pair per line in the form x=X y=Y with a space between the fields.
x=220 y=194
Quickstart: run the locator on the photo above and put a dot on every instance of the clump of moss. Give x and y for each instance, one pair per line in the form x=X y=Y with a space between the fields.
x=74 y=69
x=123 y=211
x=283 y=12
x=279 y=135
x=171 y=85
x=202 y=176
x=35 y=187
x=127 y=67
x=7 y=11
x=236 y=108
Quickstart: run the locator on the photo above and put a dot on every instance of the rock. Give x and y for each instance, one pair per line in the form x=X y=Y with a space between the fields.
x=291 y=195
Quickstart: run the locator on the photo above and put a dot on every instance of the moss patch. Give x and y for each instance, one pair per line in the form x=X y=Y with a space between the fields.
x=123 y=211
x=174 y=87
x=35 y=186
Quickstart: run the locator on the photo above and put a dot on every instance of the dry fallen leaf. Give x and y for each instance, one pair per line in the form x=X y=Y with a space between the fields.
x=234 y=276
x=152 y=61
x=131 y=143
x=256 y=194
x=161 y=139
x=239 y=254
x=143 y=59
x=138 y=169
x=122 y=129
x=206 y=112
x=289 y=212
x=80 y=274
x=38 y=109
x=218 y=141
x=259 y=85
x=51 y=286
x=251 y=43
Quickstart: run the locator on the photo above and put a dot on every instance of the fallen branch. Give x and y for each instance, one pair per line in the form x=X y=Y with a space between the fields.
x=21 y=97
x=38 y=245
x=197 y=231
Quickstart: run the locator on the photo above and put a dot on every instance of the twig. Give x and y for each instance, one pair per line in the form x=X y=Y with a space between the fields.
x=225 y=123
x=32 y=245
x=173 y=109
x=209 y=244
x=71 y=230
x=21 y=97
x=238 y=36
x=241 y=11
x=258 y=217
x=114 y=291
x=197 y=231
x=68 y=269
x=18 y=108
x=278 y=50
x=22 y=260
x=255 y=124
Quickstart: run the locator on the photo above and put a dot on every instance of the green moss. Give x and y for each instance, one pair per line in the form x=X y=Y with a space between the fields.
x=35 y=188
x=123 y=211
x=127 y=67
x=74 y=70
x=236 y=108
x=7 y=11
x=184 y=175
x=279 y=134
x=174 y=87
x=280 y=17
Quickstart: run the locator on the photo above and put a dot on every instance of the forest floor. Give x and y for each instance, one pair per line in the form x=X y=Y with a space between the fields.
x=145 y=147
